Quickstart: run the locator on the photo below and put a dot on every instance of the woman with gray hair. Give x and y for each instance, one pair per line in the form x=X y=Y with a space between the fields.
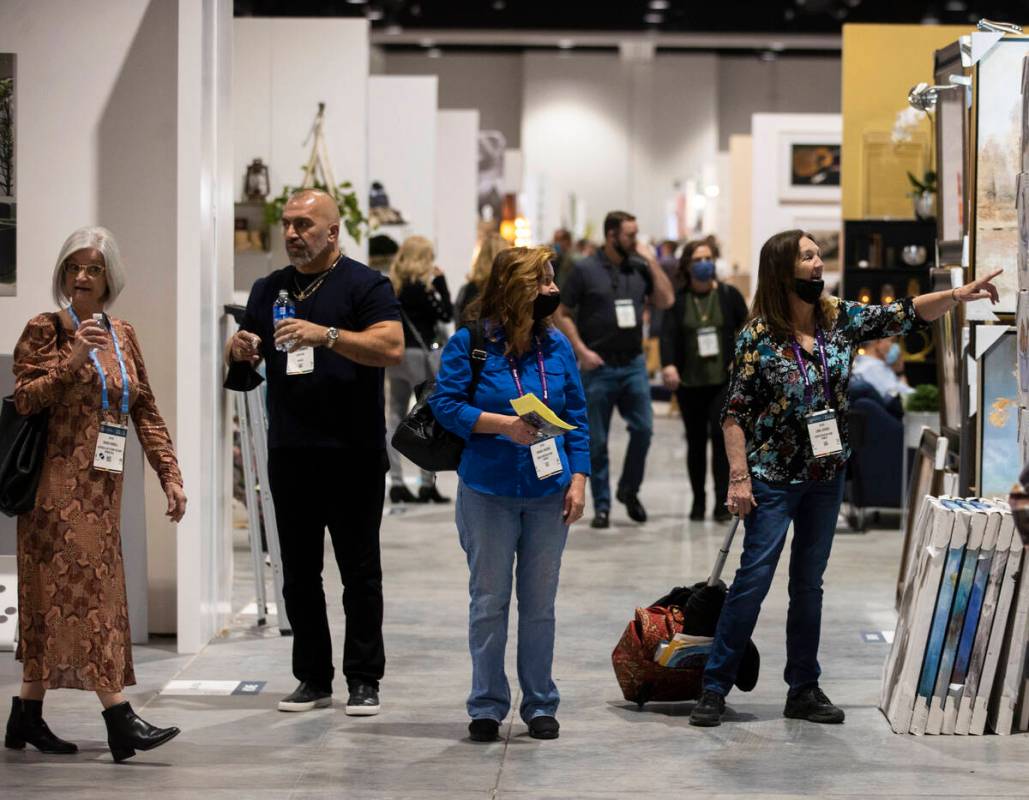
x=86 y=369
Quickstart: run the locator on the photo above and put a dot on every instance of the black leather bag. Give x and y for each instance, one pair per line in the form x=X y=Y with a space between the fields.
x=419 y=436
x=22 y=450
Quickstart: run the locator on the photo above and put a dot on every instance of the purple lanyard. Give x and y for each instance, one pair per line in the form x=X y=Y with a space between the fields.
x=539 y=366
x=803 y=370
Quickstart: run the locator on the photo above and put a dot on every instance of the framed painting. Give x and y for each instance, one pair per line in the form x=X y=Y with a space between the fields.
x=809 y=167
x=951 y=153
x=998 y=162
x=998 y=462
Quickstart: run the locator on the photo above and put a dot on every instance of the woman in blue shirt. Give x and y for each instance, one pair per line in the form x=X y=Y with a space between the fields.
x=513 y=502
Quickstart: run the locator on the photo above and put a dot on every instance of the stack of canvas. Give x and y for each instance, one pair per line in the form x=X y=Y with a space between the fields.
x=957 y=661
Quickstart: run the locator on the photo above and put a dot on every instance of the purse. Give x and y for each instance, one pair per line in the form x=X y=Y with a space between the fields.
x=419 y=437
x=22 y=450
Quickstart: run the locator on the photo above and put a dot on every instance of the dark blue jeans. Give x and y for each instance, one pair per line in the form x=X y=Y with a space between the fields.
x=627 y=389
x=812 y=507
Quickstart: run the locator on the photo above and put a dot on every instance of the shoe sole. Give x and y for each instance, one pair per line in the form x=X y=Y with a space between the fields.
x=362 y=711
x=705 y=723
x=812 y=718
x=323 y=702
x=547 y=735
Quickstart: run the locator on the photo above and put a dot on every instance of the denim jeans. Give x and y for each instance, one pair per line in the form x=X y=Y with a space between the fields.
x=496 y=532
x=812 y=507
x=627 y=389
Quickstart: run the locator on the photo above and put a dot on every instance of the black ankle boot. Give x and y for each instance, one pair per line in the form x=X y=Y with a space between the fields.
x=127 y=733
x=26 y=725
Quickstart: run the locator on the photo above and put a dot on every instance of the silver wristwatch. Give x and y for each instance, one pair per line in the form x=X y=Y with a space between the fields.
x=331 y=335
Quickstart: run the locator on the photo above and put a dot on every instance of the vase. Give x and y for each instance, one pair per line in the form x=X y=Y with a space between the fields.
x=925 y=205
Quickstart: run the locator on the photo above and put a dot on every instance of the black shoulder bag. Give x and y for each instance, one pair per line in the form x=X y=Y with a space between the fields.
x=22 y=450
x=419 y=436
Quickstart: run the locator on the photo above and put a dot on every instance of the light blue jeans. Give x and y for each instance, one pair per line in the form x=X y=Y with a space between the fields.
x=496 y=533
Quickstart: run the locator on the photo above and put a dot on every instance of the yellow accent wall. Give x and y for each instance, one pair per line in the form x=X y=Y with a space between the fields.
x=880 y=65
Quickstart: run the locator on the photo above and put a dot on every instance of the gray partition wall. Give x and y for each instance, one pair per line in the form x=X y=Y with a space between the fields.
x=133 y=523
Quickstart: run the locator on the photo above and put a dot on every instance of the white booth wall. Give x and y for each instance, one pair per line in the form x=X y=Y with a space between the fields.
x=457 y=176
x=402 y=150
x=116 y=116
x=282 y=68
x=769 y=212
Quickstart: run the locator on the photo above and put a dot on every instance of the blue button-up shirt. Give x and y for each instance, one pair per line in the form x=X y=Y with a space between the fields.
x=494 y=464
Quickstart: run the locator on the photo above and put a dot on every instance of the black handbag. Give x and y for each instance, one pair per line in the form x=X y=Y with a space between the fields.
x=419 y=436
x=22 y=450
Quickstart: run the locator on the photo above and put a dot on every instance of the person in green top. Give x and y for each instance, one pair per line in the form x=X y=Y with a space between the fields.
x=697 y=345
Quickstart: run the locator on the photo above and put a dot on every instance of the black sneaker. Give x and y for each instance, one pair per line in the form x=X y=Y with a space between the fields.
x=363 y=700
x=430 y=494
x=812 y=704
x=707 y=713
x=601 y=520
x=484 y=730
x=633 y=506
x=697 y=514
x=544 y=728
x=401 y=494
x=305 y=697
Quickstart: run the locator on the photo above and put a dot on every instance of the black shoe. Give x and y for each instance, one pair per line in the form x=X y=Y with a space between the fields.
x=812 y=704
x=601 y=520
x=707 y=713
x=635 y=509
x=26 y=726
x=430 y=494
x=127 y=732
x=363 y=700
x=484 y=730
x=544 y=728
x=305 y=697
x=722 y=514
x=401 y=494
x=697 y=513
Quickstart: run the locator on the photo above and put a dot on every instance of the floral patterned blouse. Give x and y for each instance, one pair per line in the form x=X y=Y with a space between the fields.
x=767 y=393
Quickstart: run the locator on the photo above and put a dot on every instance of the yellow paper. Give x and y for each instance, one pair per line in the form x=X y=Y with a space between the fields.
x=535 y=412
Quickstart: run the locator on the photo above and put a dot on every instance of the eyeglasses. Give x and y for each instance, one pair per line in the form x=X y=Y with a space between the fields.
x=92 y=270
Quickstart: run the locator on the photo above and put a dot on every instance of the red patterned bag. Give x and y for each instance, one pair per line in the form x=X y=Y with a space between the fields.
x=640 y=677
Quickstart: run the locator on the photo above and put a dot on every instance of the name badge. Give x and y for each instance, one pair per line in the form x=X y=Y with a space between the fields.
x=546 y=459
x=300 y=361
x=110 y=447
x=707 y=342
x=824 y=431
x=625 y=313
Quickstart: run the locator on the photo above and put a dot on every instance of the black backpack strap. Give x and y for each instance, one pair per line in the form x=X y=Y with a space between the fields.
x=477 y=354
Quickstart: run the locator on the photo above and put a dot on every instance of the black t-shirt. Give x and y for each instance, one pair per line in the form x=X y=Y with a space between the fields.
x=591 y=289
x=340 y=404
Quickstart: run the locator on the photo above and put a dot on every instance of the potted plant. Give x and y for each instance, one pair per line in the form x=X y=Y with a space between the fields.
x=350 y=212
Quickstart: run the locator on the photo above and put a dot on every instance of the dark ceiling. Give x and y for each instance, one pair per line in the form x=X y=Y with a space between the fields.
x=671 y=16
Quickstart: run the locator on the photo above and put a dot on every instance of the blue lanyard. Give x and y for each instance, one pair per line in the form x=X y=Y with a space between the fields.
x=105 y=403
x=803 y=370
x=539 y=365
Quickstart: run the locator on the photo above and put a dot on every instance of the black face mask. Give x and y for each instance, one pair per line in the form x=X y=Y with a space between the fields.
x=808 y=291
x=545 y=304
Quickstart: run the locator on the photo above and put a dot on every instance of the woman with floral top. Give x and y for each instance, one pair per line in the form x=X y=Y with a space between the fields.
x=786 y=439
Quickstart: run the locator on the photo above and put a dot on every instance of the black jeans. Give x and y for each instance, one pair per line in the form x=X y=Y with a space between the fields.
x=701 y=407
x=314 y=488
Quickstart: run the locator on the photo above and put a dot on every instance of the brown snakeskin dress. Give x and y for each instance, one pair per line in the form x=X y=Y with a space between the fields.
x=74 y=621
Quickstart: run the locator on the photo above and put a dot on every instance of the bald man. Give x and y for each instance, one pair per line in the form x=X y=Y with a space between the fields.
x=326 y=442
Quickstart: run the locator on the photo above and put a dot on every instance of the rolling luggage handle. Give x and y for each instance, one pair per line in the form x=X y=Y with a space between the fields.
x=723 y=554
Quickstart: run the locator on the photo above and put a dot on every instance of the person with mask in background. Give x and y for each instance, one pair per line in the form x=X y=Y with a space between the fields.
x=785 y=427
x=607 y=294
x=562 y=246
x=881 y=366
x=697 y=342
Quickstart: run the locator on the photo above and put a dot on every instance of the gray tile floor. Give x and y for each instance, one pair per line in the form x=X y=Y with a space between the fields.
x=241 y=747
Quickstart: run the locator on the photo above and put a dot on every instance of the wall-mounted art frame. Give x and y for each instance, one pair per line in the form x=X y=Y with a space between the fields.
x=998 y=460
x=997 y=163
x=809 y=167
x=952 y=121
x=8 y=175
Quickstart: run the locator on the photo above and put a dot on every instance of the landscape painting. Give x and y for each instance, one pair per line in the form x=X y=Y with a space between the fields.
x=998 y=163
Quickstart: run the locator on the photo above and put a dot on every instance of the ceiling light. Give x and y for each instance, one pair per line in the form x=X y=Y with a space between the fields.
x=427 y=42
x=956 y=6
x=357 y=2
x=394 y=30
x=789 y=14
x=653 y=19
x=434 y=52
x=499 y=5
x=658 y=5
x=565 y=44
x=374 y=14
x=777 y=47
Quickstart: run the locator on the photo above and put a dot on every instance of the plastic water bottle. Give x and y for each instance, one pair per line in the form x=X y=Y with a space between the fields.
x=283 y=308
